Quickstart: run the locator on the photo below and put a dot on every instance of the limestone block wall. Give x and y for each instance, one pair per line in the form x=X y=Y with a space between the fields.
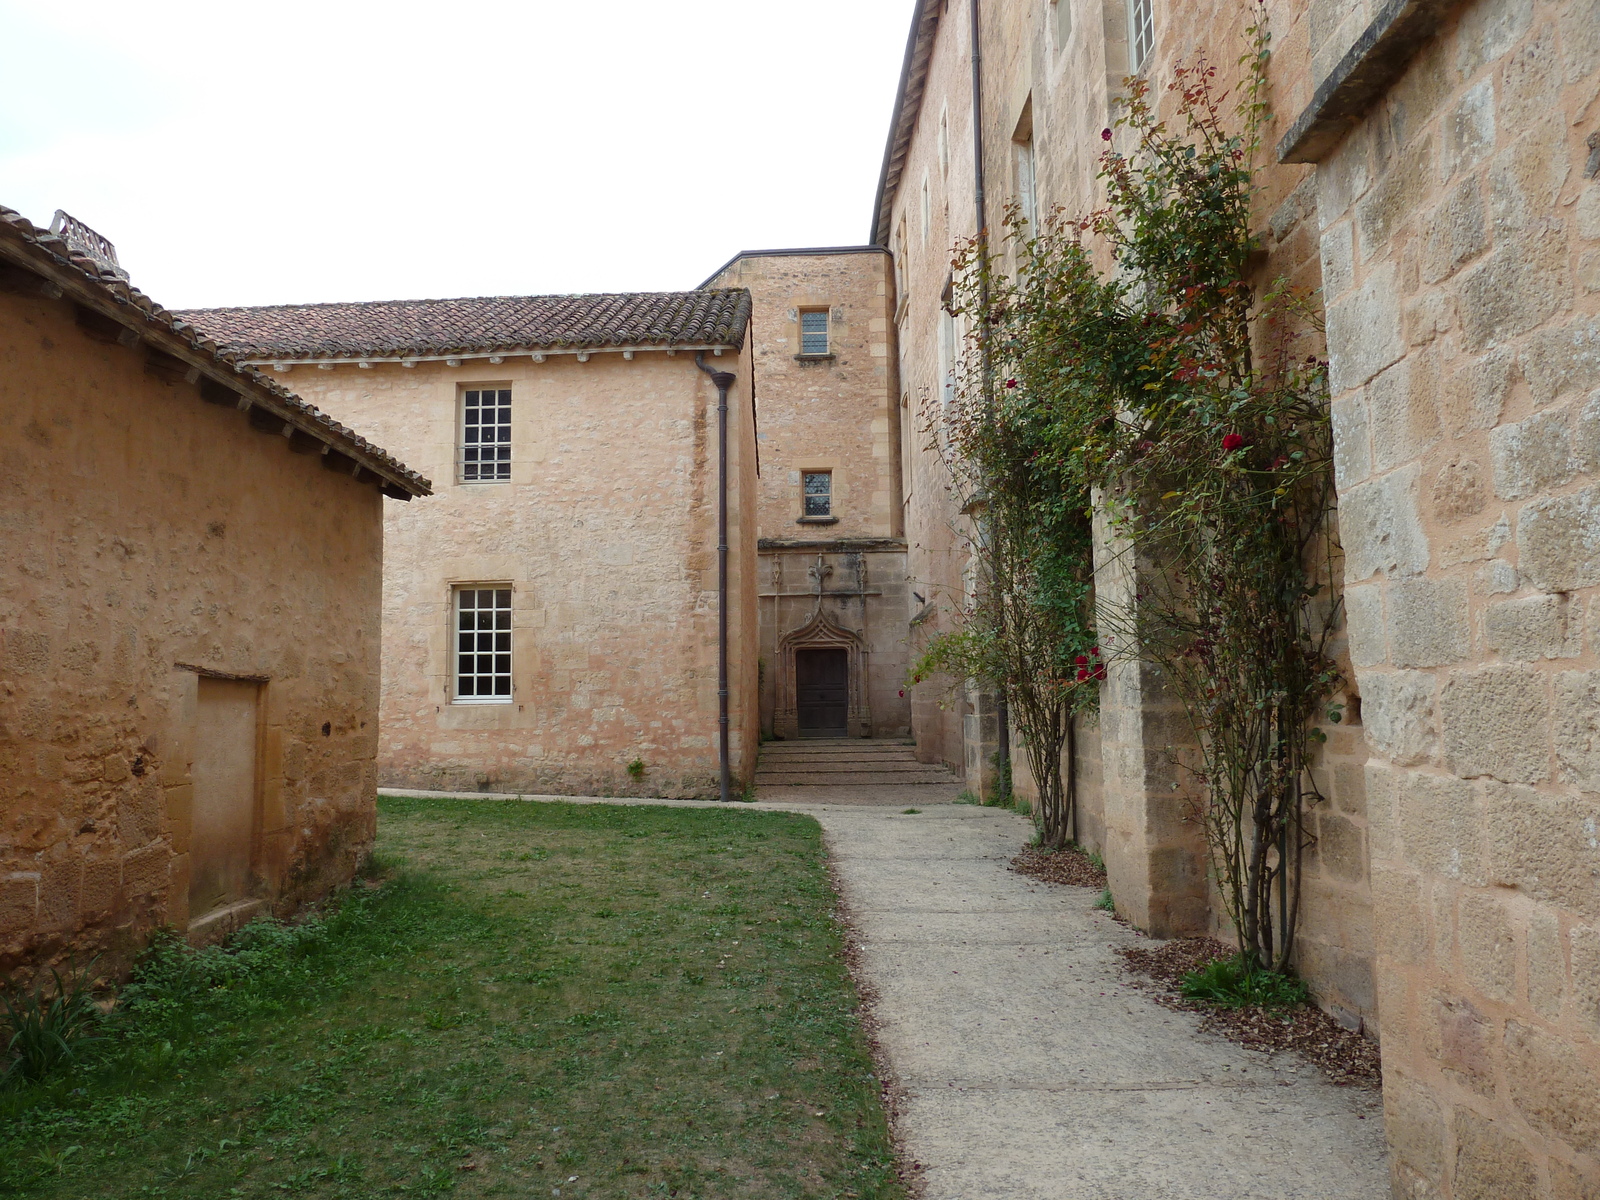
x=1051 y=85
x=864 y=593
x=150 y=542
x=1088 y=776
x=1460 y=243
x=835 y=413
x=606 y=535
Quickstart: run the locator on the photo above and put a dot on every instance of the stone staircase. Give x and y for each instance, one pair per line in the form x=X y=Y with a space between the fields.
x=845 y=762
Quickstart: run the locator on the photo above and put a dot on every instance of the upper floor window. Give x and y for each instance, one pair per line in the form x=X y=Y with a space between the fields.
x=1141 y=31
x=483 y=644
x=1022 y=151
x=814 y=331
x=1061 y=12
x=485 y=435
x=818 y=489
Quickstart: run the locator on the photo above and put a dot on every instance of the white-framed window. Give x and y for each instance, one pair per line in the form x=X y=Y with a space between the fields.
x=1141 y=31
x=947 y=365
x=944 y=142
x=927 y=210
x=485 y=434
x=817 y=490
x=482 y=627
x=814 y=331
x=1061 y=18
x=1022 y=152
x=900 y=263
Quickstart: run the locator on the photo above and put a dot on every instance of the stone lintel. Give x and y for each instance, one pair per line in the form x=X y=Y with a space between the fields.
x=1368 y=69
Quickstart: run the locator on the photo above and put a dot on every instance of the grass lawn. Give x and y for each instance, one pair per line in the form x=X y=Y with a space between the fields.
x=541 y=999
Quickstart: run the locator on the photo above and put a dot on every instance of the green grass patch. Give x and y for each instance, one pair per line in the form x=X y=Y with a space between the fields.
x=651 y=1000
x=1236 y=983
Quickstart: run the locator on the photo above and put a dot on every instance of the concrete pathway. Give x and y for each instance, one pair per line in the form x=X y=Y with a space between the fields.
x=1027 y=1066
x=1031 y=1070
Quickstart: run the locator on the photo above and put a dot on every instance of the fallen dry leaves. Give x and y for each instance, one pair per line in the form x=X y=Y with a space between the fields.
x=1345 y=1056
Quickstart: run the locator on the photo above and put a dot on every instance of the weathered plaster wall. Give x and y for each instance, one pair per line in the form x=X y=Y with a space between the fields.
x=606 y=534
x=1461 y=253
x=141 y=528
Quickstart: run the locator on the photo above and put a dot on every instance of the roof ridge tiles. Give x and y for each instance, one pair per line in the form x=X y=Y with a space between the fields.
x=478 y=324
x=39 y=244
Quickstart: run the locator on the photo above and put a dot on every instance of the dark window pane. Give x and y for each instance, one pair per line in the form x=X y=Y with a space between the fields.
x=464 y=685
x=817 y=506
x=502 y=663
x=502 y=641
x=818 y=483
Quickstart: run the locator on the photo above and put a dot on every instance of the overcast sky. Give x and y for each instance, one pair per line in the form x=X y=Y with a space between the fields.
x=284 y=151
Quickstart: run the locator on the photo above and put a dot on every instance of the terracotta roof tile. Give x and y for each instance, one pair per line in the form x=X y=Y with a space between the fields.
x=478 y=325
x=86 y=280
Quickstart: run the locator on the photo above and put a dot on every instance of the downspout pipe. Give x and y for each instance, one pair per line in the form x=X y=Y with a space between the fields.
x=723 y=381
x=980 y=202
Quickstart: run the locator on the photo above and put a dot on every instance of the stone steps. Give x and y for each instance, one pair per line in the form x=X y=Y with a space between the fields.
x=845 y=762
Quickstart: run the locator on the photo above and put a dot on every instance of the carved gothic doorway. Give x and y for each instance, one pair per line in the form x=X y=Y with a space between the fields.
x=822 y=691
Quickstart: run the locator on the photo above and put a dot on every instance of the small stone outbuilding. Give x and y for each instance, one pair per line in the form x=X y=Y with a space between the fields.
x=190 y=588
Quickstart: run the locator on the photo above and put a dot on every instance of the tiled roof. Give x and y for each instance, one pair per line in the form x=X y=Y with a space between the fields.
x=104 y=297
x=479 y=325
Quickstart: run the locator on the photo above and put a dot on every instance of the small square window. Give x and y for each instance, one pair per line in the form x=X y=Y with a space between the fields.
x=485 y=435
x=814 y=331
x=483 y=644
x=818 y=487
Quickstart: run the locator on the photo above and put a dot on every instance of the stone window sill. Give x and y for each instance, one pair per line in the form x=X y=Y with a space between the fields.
x=805 y=358
x=816 y=520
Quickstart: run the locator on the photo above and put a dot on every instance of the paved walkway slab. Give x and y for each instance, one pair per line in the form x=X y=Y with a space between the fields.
x=1032 y=1070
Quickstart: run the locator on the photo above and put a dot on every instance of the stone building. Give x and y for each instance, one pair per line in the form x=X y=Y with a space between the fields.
x=189 y=610
x=829 y=519
x=551 y=615
x=1433 y=176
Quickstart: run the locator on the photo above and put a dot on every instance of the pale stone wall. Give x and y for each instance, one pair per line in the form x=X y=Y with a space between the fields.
x=606 y=535
x=834 y=413
x=837 y=414
x=1089 y=775
x=143 y=529
x=863 y=592
x=1061 y=94
x=1459 y=244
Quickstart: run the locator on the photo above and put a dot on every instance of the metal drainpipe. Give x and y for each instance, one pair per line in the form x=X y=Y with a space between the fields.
x=1002 y=711
x=724 y=380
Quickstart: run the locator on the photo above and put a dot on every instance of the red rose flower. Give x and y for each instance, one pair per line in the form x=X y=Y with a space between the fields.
x=1105 y=135
x=1011 y=383
x=1082 y=674
x=902 y=691
x=1082 y=660
x=1232 y=442
x=1100 y=672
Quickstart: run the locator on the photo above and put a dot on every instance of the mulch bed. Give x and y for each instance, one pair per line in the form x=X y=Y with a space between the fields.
x=1068 y=865
x=1348 y=1058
